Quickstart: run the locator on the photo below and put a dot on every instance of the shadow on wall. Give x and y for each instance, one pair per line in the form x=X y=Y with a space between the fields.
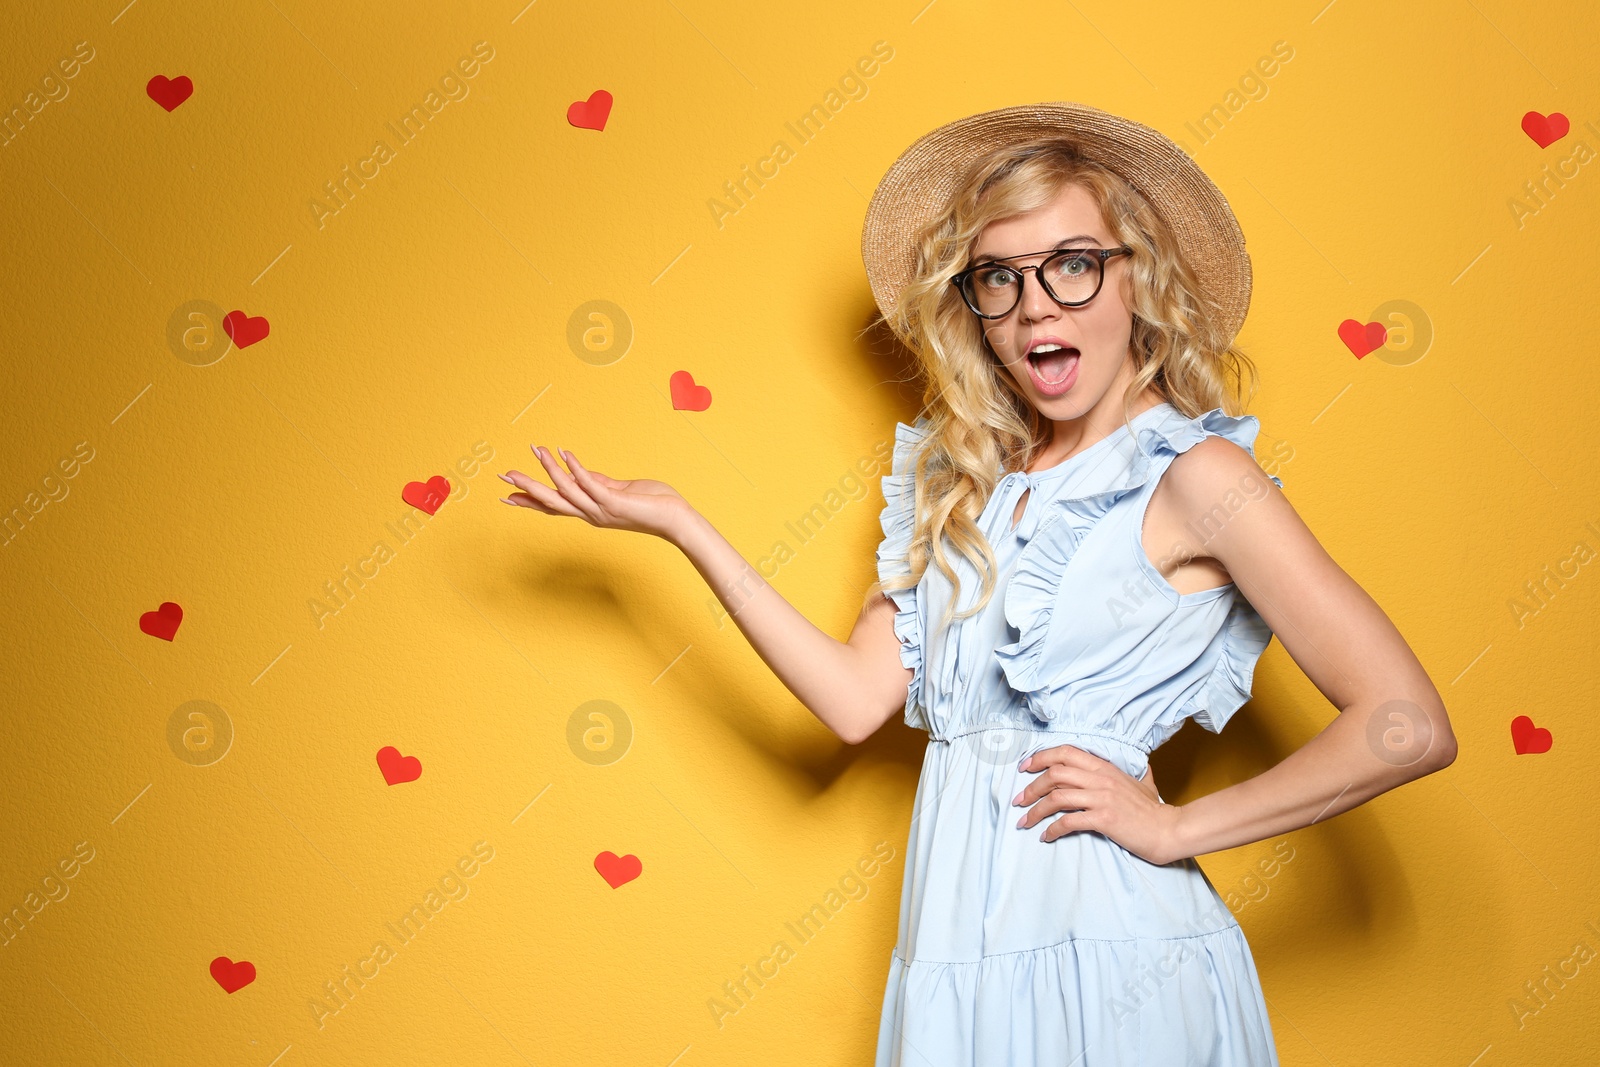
x=893 y=365
x=1348 y=858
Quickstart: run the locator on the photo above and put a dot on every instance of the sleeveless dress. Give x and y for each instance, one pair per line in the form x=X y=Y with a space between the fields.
x=1013 y=950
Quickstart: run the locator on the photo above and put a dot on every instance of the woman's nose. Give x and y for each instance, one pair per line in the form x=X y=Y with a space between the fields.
x=1035 y=303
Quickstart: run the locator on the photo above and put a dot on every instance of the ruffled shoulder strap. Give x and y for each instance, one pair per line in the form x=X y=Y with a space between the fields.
x=1245 y=634
x=898 y=520
x=1164 y=440
x=1171 y=437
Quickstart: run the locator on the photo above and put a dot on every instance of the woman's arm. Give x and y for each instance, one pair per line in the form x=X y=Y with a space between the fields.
x=852 y=686
x=1391 y=728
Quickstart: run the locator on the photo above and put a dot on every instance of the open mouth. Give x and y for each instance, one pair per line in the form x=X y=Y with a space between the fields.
x=1053 y=363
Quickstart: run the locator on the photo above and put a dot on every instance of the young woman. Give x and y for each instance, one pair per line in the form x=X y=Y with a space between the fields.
x=1080 y=553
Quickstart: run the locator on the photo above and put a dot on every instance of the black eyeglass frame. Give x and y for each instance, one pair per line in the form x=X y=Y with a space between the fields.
x=1102 y=254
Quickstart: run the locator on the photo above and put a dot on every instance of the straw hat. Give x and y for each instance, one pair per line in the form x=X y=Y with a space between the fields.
x=919 y=184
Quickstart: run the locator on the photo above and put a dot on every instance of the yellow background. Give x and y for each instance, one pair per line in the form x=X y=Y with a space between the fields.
x=430 y=315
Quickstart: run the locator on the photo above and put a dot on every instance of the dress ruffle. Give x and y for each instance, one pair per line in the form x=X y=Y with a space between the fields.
x=898 y=520
x=1245 y=636
x=1032 y=593
x=1196 y=1001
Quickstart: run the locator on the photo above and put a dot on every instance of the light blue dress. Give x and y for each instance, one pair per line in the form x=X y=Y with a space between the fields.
x=1016 y=951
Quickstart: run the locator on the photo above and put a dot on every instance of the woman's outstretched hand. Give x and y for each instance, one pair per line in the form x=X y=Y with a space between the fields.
x=1096 y=794
x=849 y=686
x=638 y=504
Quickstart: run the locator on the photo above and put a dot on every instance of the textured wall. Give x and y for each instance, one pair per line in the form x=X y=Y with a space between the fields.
x=365 y=250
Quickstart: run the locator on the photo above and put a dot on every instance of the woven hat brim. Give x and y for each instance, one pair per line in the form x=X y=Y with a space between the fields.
x=918 y=186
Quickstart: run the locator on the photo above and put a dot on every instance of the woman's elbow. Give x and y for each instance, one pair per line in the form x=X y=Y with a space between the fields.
x=1441 y=751
x=858 y=730
x=1443 y=756
x=866 y=721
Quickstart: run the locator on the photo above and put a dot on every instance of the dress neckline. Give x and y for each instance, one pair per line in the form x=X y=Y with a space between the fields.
x=1040 y=477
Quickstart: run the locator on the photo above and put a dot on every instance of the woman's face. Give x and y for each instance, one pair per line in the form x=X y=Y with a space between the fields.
x=1094 y=354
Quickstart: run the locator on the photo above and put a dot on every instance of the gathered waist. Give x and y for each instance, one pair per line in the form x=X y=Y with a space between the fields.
x=1030 y=728
x=1010 y=742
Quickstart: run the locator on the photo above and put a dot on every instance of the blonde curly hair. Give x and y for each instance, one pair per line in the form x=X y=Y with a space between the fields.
x=980 y=424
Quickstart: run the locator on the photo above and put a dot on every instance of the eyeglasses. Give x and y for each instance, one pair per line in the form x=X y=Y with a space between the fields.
x=1070 y=277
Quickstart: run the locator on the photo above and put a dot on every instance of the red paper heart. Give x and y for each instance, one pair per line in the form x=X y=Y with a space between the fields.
x=618 y=870
x=169 y=92
x=687 y=396
x=231 y=976
x=1545 y=130
x=244 y=330
x=396 y=768
x=590 y=114
x=1362 y=338
x=1527 y=738
x=163 y=622
x=428 y=496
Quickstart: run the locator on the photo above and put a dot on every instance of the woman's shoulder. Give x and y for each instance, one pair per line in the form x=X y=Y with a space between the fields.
x=898 y=523
x=898 y=488
x=1209 y=456
x=1175 y=432
x=908 y=435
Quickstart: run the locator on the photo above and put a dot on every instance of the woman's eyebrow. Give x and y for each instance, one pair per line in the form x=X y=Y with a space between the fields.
x=989 y=257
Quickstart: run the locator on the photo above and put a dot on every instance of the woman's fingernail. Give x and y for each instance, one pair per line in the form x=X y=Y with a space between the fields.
x=507 y=479
x=503 y=500
x=1021 y=822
